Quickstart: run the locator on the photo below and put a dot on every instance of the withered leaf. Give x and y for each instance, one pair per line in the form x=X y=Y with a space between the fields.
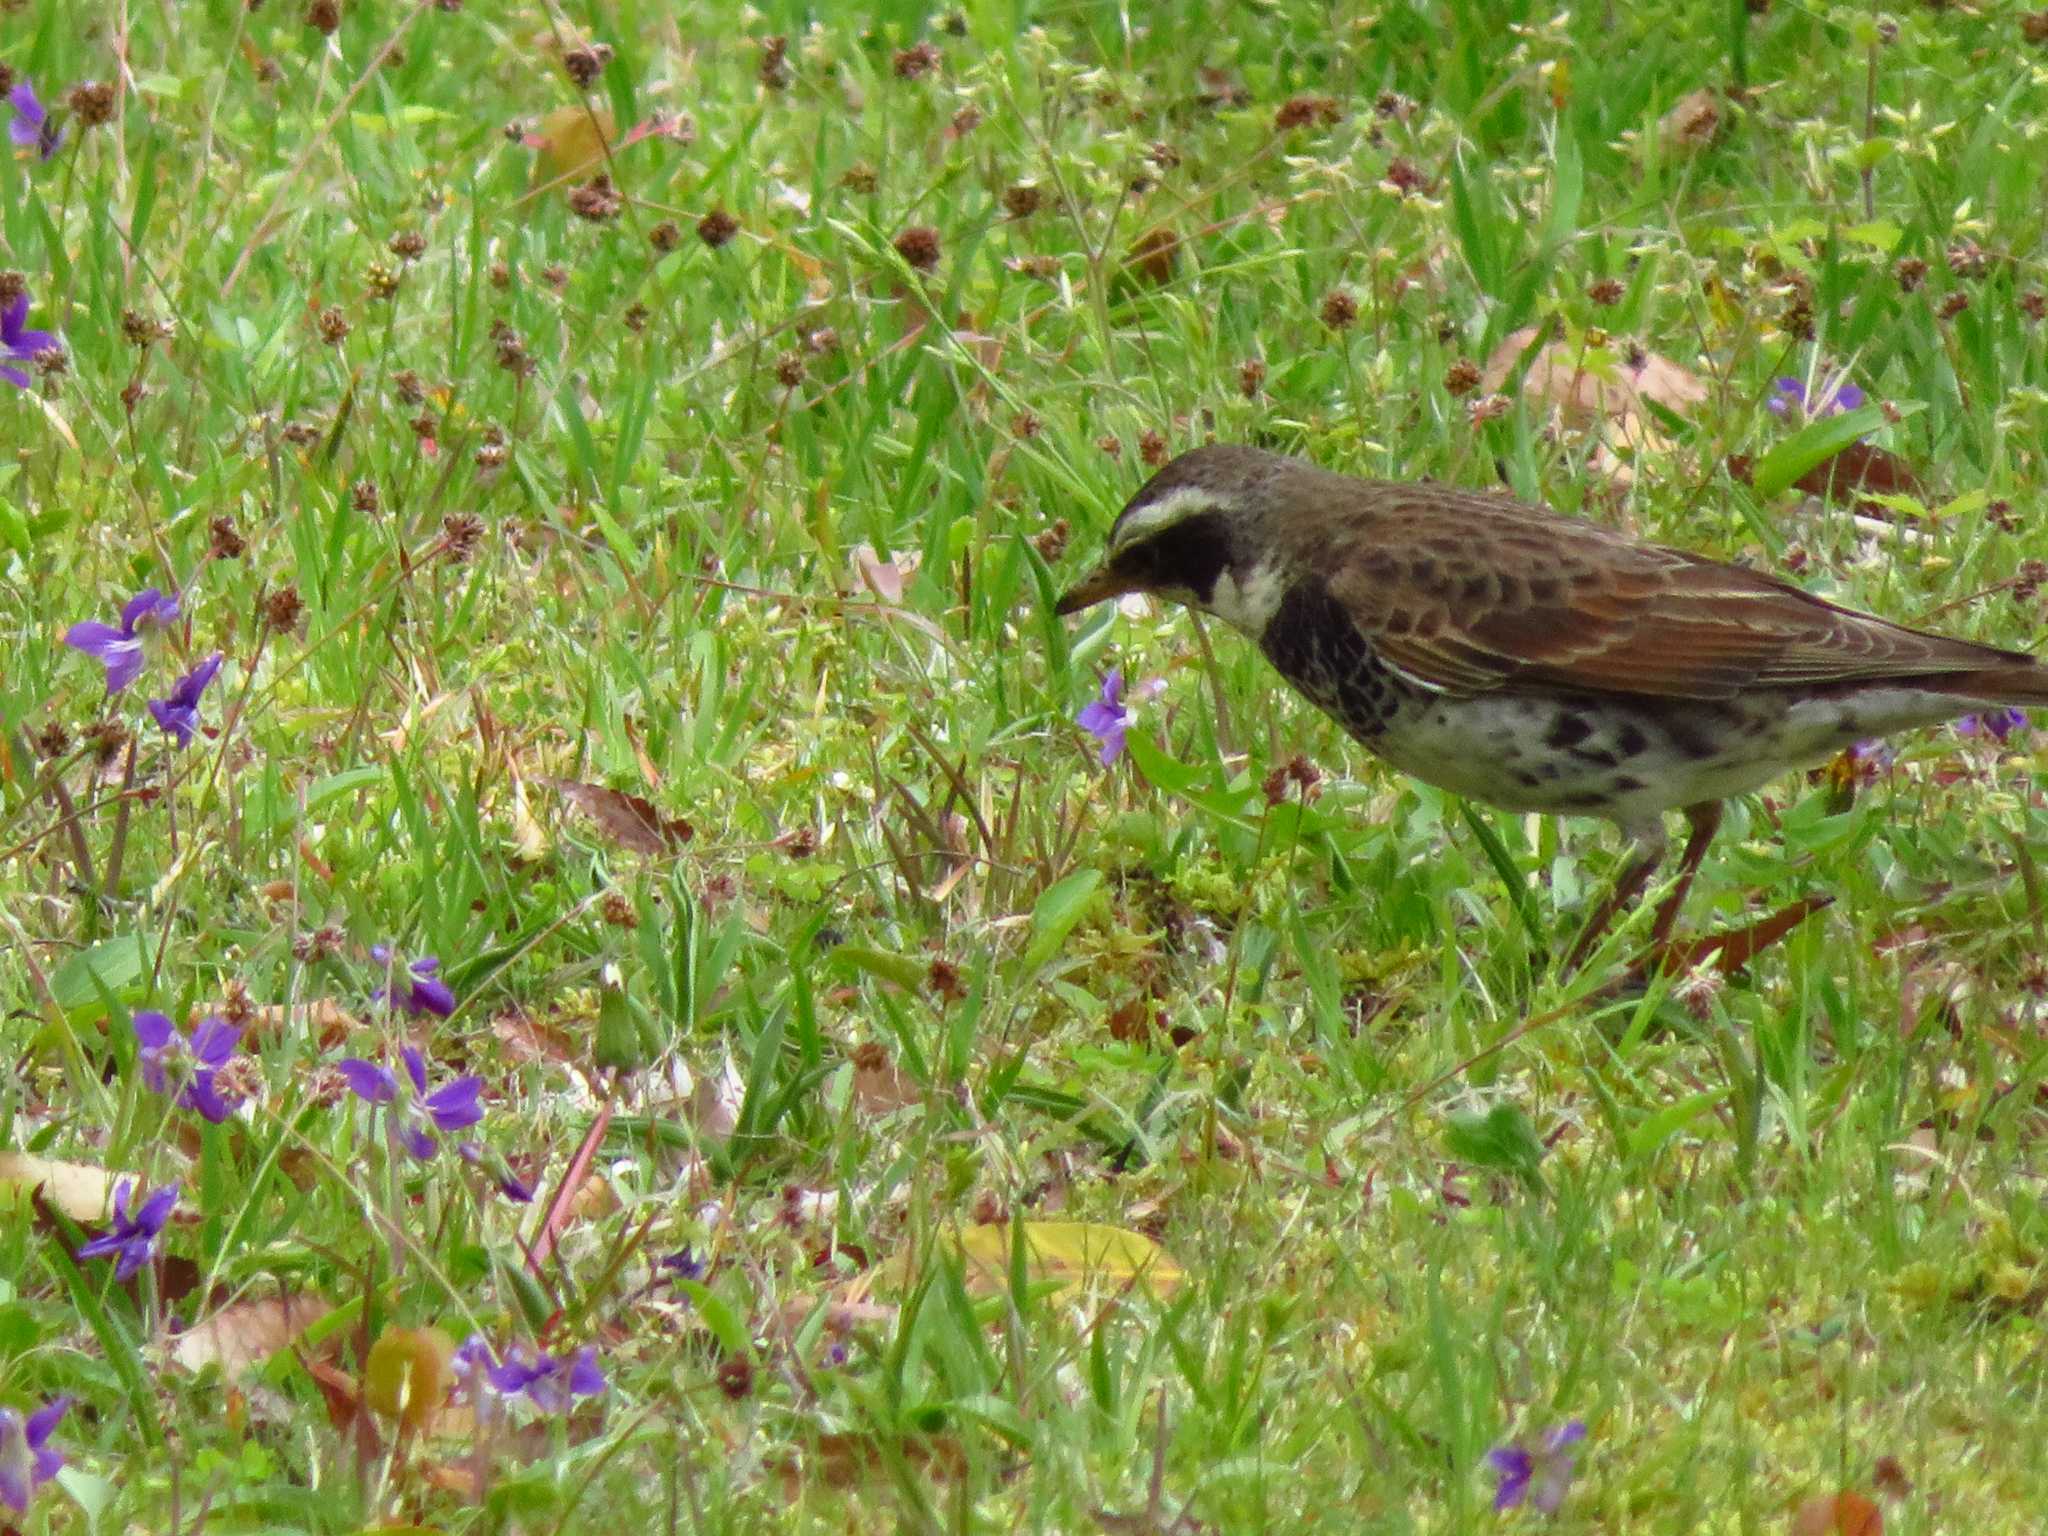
x=631 y=821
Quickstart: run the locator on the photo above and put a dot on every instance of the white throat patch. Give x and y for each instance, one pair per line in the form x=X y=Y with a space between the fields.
x=1248 y=606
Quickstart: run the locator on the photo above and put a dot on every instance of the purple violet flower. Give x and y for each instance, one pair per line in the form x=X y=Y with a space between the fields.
x=1108 y=718
x=1995 y=723
x=477 y=1155
x=683 y=1264
x=19 y=344
x=120 y=650
x=31 y=127
x=451 y=1107
x=1540 y=1476
x=417 y=987
x=549 y=1382
x=198 y=1059
x=1790 y=397
x=26 y=1460
x=178 y=713
x=133 y=1236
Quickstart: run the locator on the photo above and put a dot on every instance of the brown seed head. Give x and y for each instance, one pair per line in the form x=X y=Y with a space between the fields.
x=919 y=247
x=944 y=980
x=1462 y=377
x=499 y=274
x=142 y=330
x=93 y=103
x=717 y=227
x=324 y=16
x=1393 y=106
x=1340 y=310
x=334 y=326
x=916 y=63
x=1606 y=292
x=1021 y=199
x=1026 y=424
x=617 y=910
x=1251 y=377
x=789 y=369
x=555 y=275
x=774 y=70
x=1109 y=443
x=1487 y=408
x=225 y=539
x=665 y=236
x=1051 y=543
x=407 y=245
x=1152 y=448
x=596 y=200
x=1952 y=304
x=406 y=384
x=2034 y=304
x=51 y=740
x=1909 y=272
x=636 y=317
x=1966 y=258
x=380 y=281
x=584 y=64
x=736 y=1377
x=13 y=284
x=460 y=534
x=282 y=609
x=1406 y=177
x=1300 y=111
x=964 y=122
x=363 y=497
x=2034 y=26
x=860 y=177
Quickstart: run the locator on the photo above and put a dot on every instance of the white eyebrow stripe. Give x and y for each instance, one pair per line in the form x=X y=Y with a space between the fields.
x=1164 y=513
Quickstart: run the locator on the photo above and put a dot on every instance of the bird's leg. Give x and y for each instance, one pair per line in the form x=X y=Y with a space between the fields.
x=1628 y=885
x=1704 y=820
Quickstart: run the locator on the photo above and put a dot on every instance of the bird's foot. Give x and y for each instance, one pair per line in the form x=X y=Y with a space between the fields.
x=1730 y=951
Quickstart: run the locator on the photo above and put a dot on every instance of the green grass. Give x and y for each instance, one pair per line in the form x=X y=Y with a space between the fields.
x=923 y=964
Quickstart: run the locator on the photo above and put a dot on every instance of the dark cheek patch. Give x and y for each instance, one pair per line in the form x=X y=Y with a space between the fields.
x=1190 y=556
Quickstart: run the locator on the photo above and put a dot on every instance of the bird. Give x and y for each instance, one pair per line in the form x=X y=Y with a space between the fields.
x=1532 y=661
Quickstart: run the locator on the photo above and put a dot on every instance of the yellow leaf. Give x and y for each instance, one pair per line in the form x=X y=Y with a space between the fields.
x=570 y=141
x=1069 y=1253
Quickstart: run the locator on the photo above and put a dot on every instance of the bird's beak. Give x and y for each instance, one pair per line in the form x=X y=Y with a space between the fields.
x=1098 y=585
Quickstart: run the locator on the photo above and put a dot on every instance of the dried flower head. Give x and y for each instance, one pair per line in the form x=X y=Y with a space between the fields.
x=1021 y=199
x=1909 y=272
x=93 y=103
x=1952 y=304
x=1300 y=111
x=1462 y=377
x=1606 y=292
x=586 y=62
x=1340 y=310
x=362 y=496
x=717 y=227
x=460 y=534
x=596 y=200
x=915 y=63
x=407 y=245
x=334 y=326
x=1152 y=448
x=860 y=177
x=1966 y=258
x=283 y=609
x=665 y=236
x=140 y=330
x=2034 y=304
x=380 y=281
x=1251 y=377
x=225 y=539
x=789 y=369
x=774 y=71
x=919 y=247
x=324 y=16
x=409 y=388
x=1052 y=542
x=1393 y=106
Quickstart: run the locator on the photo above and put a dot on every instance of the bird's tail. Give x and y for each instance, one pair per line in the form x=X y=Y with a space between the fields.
x=2018 y=683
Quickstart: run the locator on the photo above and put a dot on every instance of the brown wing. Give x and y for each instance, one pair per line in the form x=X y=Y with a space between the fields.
x=1466 y=593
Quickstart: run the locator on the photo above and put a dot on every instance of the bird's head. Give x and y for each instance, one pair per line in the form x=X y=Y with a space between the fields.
x=1198 y=534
